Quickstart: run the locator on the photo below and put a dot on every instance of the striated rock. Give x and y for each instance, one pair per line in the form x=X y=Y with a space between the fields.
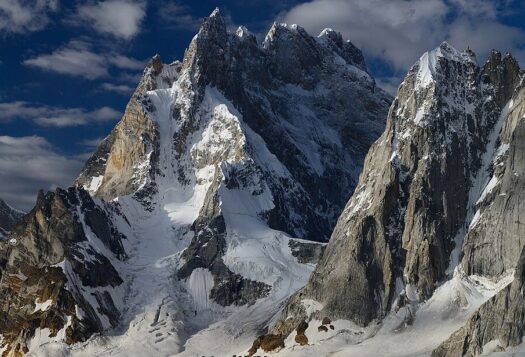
x=491 y=246
x=501 y=319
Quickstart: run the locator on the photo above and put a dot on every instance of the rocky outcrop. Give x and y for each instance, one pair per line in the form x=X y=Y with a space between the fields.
x=117 y=166
x=501 y=319
x=55 y=269
x=412 y=198
x=8 y=217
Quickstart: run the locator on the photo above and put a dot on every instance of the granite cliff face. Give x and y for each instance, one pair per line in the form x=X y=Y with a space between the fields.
x=401 y=233
x=491 y=246
x=212 y=197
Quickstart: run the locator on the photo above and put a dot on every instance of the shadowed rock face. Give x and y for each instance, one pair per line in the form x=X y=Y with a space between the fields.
x=492 y=244
x=51 y=268
x=413 y=194
x=8 y=217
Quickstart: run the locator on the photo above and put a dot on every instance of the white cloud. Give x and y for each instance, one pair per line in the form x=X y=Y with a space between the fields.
x=119 y=18
x=30 y=163
x=123 y=89
x=177 y=16
x=19 y=16
x=55 y=116
x=92 y=143
x=399 y=31
x=77 y=58
x=124 y=62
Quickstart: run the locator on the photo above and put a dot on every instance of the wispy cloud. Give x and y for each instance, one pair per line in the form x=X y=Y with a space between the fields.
x=78 y=58
x=122 y=89
x=30 y=163
x=91 y=143
x=55 y=116
x=119 y=18
x=176 y=15
x=399 y=31
x=18 y=16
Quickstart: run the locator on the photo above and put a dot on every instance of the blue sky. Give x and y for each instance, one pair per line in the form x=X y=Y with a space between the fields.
x=67 y=68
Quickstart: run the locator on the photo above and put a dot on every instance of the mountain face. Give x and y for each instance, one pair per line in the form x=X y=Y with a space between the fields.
x=442 y=186
x=8 y=217
x=204 y=209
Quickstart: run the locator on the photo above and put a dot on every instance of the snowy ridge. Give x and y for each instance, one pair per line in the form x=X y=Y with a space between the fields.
x=429 y=62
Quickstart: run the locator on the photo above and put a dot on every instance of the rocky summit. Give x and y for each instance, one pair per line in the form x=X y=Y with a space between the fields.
x=267 y=197
x=204 y=209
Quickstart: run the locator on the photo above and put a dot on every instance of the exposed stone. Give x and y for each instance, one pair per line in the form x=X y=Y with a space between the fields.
x=412 y=197
x=49 y=260
x=306 y=252
x=501 y=318
x=490 y=247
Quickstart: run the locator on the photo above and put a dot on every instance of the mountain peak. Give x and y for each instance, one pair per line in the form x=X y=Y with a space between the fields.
x=216 y=12
x=429 y=63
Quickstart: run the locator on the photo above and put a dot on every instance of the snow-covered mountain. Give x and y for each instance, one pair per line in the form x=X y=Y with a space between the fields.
x=205 y=208
x=433 y=229
x=8 y=217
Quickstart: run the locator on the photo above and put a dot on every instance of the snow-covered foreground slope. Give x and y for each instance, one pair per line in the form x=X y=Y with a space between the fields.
x=433 y=321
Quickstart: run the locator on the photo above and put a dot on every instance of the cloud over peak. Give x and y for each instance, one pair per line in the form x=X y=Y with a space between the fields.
x=55 y=116
x=119 y=18
x=30 y=163
x=399 y=31
x=78 y=58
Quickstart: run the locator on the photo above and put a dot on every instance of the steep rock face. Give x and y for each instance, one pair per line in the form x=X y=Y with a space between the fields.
x=501 y=319
x=399 y=229
x=496 y=231
x=274 y=132
x=115 y=168
x=56 y=272
x=8 y=217
x=491 y=246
